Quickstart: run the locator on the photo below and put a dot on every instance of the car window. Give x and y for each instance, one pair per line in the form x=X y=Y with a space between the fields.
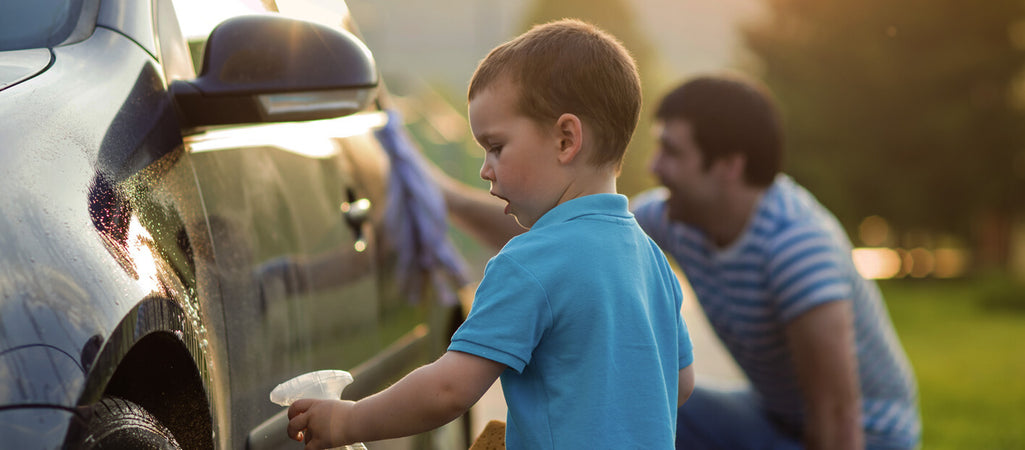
x=328 y=12
x=37 y=23
x=199 y=17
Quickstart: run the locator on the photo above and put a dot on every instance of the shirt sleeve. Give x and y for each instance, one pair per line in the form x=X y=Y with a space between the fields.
x=807 y=269
x=684 y=344
x=686 y=347
x=509 y=316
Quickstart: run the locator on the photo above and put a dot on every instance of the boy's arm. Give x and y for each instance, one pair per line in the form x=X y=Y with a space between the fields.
x=686 y=385
x=427 y=398
x=476 y=211
x=822 y=342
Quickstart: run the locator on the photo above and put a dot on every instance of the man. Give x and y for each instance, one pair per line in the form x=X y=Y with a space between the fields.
x=772 y=270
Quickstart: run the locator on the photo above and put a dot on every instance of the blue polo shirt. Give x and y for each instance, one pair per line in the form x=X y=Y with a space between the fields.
x=584 y=310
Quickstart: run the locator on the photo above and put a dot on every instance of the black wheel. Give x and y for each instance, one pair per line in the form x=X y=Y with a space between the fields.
x=120 y=424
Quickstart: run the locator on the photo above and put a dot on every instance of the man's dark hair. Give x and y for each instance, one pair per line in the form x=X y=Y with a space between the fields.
x=730 y=115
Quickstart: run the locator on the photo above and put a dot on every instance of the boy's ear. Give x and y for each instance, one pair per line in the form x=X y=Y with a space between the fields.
x=570 y=132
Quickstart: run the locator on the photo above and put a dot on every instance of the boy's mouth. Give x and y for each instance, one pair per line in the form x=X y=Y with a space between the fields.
x=507 y=204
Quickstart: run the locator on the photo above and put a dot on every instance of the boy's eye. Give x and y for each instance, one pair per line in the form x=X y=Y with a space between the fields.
x=494 y=148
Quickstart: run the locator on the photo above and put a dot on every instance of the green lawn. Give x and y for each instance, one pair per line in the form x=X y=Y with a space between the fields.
x=966 y=341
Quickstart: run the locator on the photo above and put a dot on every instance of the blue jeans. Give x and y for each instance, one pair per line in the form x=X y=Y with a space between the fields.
x=727 y=419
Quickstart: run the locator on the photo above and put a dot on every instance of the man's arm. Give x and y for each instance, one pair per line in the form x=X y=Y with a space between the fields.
x=822 y=343
x=426 y=398
x=476 y=211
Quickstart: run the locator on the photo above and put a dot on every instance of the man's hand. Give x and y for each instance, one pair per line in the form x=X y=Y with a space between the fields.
x=320 y=422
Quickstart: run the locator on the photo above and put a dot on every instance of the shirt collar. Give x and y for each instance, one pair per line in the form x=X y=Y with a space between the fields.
x=604 y=204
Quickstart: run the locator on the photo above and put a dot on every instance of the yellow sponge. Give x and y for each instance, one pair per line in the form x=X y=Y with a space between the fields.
x=492 y=438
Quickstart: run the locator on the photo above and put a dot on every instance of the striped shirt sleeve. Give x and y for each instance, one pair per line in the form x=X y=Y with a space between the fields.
x=805 y=270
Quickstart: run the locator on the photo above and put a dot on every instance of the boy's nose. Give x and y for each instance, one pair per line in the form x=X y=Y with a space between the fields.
x=486 y=173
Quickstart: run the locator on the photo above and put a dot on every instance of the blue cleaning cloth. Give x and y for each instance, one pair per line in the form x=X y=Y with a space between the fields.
x=416 y=220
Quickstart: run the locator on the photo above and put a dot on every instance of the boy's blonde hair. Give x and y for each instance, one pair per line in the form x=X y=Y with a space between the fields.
x=569 y=66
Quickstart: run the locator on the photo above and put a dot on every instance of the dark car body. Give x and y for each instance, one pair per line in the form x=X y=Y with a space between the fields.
x=170 y=250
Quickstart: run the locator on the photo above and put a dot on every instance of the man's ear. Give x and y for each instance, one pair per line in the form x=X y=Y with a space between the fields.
x=734 y=166
x=570 y=133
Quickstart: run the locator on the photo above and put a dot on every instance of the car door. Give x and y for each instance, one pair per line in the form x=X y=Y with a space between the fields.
x=294 y=254
x=307 y=273
x=295 y=272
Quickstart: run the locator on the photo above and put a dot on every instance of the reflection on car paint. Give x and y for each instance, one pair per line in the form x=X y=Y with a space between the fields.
x=300 y=138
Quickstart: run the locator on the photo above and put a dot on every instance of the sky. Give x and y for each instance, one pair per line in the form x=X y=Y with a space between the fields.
x=198 y=17
x=442 y=40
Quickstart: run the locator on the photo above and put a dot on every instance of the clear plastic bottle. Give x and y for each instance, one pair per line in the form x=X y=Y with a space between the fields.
x=322 y=384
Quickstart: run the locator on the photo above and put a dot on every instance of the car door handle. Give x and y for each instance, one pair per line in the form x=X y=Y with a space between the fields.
x=355 y=213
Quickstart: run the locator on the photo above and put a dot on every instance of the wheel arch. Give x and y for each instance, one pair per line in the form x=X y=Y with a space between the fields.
x=156 y=358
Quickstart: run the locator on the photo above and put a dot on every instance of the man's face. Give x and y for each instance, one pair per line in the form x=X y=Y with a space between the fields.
x=679 y=165
x=520 y=157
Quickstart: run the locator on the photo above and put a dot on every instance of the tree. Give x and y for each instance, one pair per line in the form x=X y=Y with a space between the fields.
x=900 y=109
x=617 y=18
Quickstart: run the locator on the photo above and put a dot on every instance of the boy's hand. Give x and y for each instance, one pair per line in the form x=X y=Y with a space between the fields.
x=320 y=422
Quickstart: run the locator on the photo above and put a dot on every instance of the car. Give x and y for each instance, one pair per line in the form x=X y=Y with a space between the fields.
x=176 y=242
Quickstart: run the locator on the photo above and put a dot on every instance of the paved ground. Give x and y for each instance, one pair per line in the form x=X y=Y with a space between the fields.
x=711 y=363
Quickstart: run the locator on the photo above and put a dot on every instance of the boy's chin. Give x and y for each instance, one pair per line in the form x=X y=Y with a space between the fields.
x=521 y=222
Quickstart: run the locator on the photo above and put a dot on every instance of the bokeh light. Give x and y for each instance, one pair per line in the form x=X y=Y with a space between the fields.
x=877 y=263
x=874 y=231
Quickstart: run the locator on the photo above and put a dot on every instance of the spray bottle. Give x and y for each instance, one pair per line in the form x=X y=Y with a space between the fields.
x=322 y=384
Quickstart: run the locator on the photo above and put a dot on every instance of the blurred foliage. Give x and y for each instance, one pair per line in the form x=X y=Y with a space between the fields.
x=969 y=369
x=618 y=18
x=1002 y=294
x=905 y=110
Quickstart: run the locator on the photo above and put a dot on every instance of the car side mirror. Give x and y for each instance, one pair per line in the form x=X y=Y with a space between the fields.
x=266 y=68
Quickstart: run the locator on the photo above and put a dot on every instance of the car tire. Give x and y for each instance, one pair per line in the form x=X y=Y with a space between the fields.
x=117 y=423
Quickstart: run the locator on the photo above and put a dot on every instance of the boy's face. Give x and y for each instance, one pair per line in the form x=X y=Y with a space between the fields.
x=520 y=156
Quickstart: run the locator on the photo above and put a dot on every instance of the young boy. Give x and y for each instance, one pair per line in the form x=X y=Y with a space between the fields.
x=580 y=316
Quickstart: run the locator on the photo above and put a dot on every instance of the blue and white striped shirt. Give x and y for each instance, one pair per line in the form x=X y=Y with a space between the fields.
x=792 y=256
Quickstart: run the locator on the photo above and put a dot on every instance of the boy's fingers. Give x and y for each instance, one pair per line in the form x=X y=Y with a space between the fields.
x=296 y=425
x=299 y=406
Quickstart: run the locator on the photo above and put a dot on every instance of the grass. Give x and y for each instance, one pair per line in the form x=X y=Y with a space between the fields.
x=966 y=341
